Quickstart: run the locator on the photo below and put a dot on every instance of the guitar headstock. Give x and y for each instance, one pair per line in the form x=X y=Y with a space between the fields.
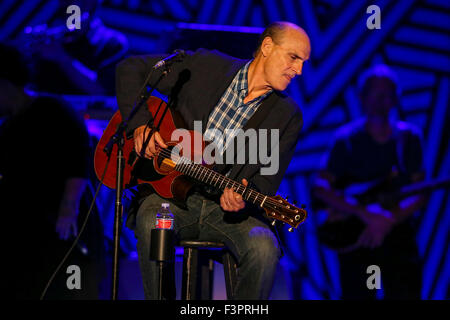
x=280 y=209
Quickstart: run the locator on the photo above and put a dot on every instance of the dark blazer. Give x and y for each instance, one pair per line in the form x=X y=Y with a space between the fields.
x=195 y=86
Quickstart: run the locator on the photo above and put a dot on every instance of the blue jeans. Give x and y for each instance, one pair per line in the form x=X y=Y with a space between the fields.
x=251 y=241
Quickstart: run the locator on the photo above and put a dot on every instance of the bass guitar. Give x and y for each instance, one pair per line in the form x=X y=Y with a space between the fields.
x=343 y=233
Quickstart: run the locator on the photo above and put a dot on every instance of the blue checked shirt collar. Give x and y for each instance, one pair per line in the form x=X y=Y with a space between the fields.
x=241 y=87
x=231 y=112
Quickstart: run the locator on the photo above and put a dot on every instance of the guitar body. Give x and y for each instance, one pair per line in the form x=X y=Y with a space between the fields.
x=167 y=182
x=340 y=234
x=343 y=230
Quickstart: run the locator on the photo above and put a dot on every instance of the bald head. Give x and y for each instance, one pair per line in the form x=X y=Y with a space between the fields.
x=283 y=49
x=278 y=31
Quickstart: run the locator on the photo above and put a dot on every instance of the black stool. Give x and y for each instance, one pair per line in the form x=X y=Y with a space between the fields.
x=198 y=267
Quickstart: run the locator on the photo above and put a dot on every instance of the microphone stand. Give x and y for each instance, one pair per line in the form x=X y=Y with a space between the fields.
x=118 y=139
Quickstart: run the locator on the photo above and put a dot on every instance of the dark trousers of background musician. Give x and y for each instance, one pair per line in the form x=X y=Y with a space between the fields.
x=399 y=264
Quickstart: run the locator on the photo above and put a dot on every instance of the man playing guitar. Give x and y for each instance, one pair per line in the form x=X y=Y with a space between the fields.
x=224 y=93
x=368 y=149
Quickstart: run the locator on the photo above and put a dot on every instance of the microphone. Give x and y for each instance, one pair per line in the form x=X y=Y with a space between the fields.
x=177 y=55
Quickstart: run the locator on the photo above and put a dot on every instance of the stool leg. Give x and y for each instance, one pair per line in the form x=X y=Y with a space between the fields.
x=206 y=276
x=211 y=278
x=230 y=272
x=190 y=261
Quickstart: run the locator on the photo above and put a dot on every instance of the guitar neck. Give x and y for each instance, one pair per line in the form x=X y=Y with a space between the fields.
x=423 y=187
x=275 y=207
x=219 y=181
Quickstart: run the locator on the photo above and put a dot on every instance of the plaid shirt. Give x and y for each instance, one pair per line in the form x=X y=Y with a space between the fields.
x=231 y=112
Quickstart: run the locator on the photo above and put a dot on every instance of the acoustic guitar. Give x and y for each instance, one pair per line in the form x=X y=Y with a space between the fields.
x=173 y=174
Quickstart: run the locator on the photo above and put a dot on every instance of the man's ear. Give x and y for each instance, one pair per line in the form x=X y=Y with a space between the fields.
x=267 y=46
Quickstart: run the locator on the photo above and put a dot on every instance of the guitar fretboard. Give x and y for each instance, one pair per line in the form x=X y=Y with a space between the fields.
x=210 y=177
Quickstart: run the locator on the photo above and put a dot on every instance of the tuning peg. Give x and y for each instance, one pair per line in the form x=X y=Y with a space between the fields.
x=274 y=222
x=294 y=202
x=291 y=229
x=303 y=206
x=287 y=198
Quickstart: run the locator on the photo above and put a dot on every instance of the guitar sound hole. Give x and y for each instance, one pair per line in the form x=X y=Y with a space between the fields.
x=164 y=161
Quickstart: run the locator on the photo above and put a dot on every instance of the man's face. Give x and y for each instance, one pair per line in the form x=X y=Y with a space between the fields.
x=379 y=97
x=284 y=60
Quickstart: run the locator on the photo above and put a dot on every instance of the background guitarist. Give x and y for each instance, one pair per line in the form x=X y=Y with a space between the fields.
x=365 y=150
x=224 y=93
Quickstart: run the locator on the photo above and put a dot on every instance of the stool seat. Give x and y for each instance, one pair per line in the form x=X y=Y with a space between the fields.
x=198 y=268
x=201 y=244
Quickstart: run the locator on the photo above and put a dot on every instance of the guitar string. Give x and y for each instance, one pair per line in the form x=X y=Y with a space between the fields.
x=195 y=169
x=185 y=164
x=198 y=167
x=168 y=154
x=268 y=202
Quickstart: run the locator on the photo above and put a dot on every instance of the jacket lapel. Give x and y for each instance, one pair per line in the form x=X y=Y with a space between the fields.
x=253 y=123
x=225 y=83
